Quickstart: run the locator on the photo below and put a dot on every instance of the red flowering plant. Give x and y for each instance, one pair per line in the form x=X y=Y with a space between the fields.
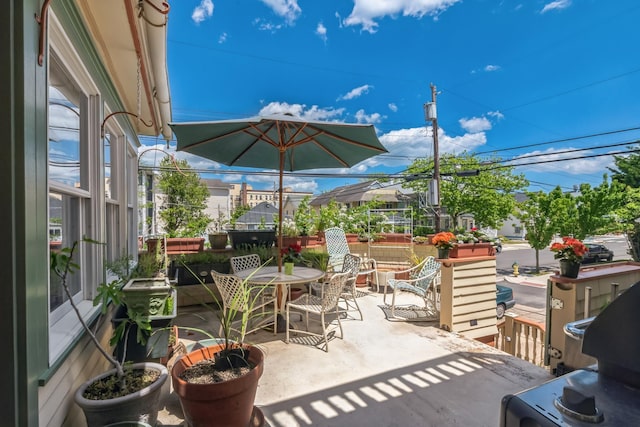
x=444 y=240
x=291 y=253
x=570 y=249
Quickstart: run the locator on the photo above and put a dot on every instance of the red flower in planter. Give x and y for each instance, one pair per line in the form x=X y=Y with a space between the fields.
x=291 y=253
x=570 y=249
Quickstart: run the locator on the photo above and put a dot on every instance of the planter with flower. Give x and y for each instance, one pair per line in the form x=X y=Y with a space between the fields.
x=290 y=255
x=570 y=253
x=444 y=242
x=473 y=243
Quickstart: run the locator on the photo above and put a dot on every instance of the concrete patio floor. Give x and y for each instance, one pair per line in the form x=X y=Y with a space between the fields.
x=383 y=373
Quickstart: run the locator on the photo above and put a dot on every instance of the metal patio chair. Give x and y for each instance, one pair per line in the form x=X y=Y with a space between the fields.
x=325 y=303
x=349 y=295
x=338 y=247
x=260 y=301
x=245 y=262
x=424 y=281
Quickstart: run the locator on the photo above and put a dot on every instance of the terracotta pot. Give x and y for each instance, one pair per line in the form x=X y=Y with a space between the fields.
x=470 y=250
x=228 y=403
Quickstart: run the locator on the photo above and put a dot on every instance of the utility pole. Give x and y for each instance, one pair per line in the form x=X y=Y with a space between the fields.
x=431 y=115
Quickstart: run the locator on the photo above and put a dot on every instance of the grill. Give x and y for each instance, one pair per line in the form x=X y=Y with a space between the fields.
x=604 y=394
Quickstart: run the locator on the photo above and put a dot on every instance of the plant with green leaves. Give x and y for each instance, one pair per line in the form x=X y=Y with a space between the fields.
x=185 y=199
x=63 y=265
x=305 y=217
x=488 y=196
x=235 y=307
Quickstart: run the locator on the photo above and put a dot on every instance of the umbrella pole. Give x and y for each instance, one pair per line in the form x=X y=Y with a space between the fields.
x=280 y=213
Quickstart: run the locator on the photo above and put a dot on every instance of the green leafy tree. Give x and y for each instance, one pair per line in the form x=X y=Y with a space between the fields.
x=627 y=169
x=592 y=210
x=183 y=208
x=488 y=196
x=237 y=213
x=539 y=215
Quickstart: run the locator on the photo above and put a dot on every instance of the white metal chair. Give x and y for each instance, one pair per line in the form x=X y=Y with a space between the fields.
x=351 y=265
x=338 y=247
x=325 y=303
x=349 y=295
x=245 y=262
x=423 y=280
x=262 y=299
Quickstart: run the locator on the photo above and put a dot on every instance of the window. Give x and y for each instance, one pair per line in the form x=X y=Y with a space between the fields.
x=72 y=199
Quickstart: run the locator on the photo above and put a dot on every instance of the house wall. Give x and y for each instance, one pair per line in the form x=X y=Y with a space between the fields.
x=37 y=392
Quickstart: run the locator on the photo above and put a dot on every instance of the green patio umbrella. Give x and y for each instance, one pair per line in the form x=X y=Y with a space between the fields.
x=279 y=142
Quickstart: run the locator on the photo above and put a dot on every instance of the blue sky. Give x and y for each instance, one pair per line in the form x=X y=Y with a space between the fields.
x=514 y=78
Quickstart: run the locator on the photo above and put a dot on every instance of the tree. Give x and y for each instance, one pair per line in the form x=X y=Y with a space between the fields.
x=488 y=196
x=185 y=201
x=627 y=170
x=237 y=213
x=592 y=210
x=539 y=215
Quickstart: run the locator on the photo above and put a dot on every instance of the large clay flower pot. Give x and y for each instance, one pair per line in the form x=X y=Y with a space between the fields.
x=569 y=268
x=142 y=405
x=229 y=403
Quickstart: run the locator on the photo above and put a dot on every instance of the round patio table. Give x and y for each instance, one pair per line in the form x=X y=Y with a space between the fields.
x=270 y=275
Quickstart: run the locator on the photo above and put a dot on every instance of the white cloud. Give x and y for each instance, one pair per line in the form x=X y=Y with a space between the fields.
x=300 y=110
x=203 y=11
x=362 y=117
x=496 y=115
x=404 y=145
x=475 y=124
x=556 y=5
x=393 y=107
x=267 y=26
x=365 y=12
x=321 y=31
x=489 y=68
x=222 y=38
x=355 y=93
x=288 y=9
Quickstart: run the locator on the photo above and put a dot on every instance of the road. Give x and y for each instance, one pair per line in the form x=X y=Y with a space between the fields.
x=526 y=257
x=530 y=296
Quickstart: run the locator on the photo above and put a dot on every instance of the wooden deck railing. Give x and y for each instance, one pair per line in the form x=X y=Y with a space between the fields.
x=521 y=338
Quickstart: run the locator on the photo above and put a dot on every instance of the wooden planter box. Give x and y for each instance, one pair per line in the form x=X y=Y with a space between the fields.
x=177 y=245
x=303 y=241
x=470 y=250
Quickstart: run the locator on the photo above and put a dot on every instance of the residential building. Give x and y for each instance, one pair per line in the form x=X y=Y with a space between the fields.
x=74 y=81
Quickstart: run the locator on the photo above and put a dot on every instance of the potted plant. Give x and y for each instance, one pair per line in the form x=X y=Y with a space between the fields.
x=473 y=243
x=290 y=256
x=217 y=384
x=124 y=393
x=217 y=236
x=444 y=242
x=570 y=252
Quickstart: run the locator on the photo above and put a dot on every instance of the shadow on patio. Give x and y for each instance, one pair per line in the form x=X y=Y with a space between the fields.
x=382 y=374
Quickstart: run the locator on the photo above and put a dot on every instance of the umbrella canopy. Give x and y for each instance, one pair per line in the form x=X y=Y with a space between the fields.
x=281 y=142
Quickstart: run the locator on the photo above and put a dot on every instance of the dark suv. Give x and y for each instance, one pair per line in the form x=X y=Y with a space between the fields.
x=597 y=252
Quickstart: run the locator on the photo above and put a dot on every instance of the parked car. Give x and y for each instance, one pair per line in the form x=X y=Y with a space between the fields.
x=504 y=300
x=597 y=252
